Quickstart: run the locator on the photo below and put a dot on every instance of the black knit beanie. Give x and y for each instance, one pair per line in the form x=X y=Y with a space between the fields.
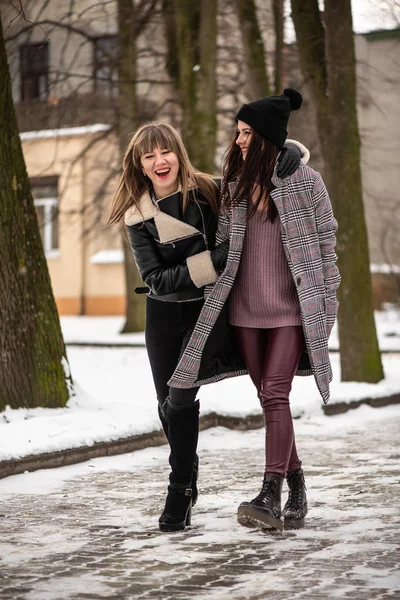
x=269 y=116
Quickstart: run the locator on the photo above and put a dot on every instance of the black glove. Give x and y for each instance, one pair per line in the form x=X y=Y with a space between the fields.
x=289 y=160
x=219 y=255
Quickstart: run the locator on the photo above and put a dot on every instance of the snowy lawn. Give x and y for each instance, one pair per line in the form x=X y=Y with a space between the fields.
x=106 y=330
x=115 y=399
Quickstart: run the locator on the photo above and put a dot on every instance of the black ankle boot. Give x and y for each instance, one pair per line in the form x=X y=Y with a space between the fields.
x=296 y=507
x=264 y=511
x=162 y=413
x=178 y=507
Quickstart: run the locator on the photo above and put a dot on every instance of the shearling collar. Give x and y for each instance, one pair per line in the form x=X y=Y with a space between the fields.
x=145 y=210
x=169 y=228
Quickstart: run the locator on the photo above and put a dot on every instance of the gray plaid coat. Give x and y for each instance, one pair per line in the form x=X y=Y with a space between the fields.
x=308 y=234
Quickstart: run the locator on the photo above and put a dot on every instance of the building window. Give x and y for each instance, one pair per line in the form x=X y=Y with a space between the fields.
x=45 y=195
x=34 y=65
x=105 y=64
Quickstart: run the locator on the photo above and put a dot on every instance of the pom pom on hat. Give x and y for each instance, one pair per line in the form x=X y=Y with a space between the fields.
x=269 y=116
x=295 y=98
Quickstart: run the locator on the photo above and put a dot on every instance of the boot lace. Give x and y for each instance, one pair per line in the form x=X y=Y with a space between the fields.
x=296 y=486
x=266 y=490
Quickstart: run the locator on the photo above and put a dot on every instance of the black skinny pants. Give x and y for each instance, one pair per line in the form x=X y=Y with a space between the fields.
x=169 y=326
x=272 y=357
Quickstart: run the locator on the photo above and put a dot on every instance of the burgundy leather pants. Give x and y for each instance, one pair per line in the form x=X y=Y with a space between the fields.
x=272 y=357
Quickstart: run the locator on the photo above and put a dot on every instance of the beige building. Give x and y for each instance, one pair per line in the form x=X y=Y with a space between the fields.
x=378 y=84
x=84 y=257
x=378 y=59
x=64 y=75
x=64 y=87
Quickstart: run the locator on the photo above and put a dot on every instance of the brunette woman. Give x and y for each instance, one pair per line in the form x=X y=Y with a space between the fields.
x=170 y=211
x=281 y=281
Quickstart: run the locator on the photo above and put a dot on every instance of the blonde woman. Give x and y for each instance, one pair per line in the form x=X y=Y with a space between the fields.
x=171 y=212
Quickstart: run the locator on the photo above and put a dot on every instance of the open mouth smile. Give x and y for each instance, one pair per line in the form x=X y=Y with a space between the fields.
x=162 y=173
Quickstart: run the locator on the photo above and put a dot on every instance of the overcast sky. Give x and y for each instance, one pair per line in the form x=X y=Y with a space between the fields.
x=368 y=15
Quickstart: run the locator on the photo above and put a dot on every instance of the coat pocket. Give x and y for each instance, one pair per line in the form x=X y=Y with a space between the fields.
x=331 y=308
x=314 y=320
x=313 y=306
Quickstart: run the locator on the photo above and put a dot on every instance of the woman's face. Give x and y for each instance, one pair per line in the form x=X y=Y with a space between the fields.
x=162 y=167
x=244 y=133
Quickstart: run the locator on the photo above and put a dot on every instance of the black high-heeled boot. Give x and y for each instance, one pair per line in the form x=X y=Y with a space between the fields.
x=177 y=513
x=195 y=476
x=183 y=431
x=264 y=510
x=162 y=413
x=296 y=507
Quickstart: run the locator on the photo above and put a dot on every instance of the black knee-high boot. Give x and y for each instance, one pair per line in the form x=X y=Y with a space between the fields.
x=183 y=431
x=162 y=413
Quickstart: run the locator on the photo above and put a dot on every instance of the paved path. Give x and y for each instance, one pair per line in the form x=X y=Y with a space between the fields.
x=94 y=535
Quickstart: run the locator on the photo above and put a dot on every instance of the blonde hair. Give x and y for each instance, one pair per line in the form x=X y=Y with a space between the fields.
x=133 y=184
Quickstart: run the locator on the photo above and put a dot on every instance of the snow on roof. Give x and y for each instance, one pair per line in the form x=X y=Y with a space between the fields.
x=384 y=268
x=107 y=257
x=64 y=132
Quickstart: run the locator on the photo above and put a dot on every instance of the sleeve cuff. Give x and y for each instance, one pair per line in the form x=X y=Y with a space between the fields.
x=305 y=153
x=201 y=269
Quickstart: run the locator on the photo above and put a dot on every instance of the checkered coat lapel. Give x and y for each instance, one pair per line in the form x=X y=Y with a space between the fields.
x=186 y=373
x=308 y=235
x=308 y=230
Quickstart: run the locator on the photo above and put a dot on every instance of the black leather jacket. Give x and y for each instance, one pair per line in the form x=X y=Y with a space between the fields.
x=163 y=238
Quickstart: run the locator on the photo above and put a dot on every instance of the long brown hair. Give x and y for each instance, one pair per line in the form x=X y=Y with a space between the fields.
x=133 y=184
x=252 y=175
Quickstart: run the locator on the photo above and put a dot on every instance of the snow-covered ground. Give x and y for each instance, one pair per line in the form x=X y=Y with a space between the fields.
x=106 y=330
x=116 y=399
x=91 y=530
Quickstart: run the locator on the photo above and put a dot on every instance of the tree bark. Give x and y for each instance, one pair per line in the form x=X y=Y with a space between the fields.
x=311 y=44
x=128 y=122
x=361 y=359
x=277 y=6
x=191 y=34
x=34 y=369
x=256 y=60
x=329 y=62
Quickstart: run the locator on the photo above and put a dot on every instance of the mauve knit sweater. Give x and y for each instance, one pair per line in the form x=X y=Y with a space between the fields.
x=263 y=295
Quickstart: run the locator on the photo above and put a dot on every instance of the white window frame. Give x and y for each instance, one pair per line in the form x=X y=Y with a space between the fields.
x=48 y=204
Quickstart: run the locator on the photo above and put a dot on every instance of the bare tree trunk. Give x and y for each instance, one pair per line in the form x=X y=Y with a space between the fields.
x=361 y=359
x=311 y=44
x=136 y=303
x=127 y=97
x=206 y=83
x=254 y=48
x=330 y=65
x=191 y=33
x=277 y=6
x=34 y=368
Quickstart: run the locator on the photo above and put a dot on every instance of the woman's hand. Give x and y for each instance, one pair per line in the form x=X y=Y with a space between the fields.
x=219 y=255
x=288 y=160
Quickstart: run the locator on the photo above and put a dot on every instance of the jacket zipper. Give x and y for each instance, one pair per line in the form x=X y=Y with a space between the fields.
x=204 y=225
